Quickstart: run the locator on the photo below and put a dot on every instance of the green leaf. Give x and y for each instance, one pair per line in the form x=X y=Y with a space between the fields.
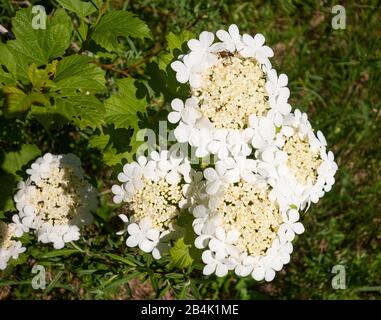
x=72 y=94
x=180 y=254
x=54 y=282
x=81 y=8
x=175 y=44
x=48 y=116
x=60 y=253
x=41 y=77
x=123 y=107
x=14 y=161
x=6 y=194
x=40 y=45
x=76 y=74
x=17 y=101
x=9 y=68
x=162 y=79
x=84 y=111
x=99 y=141
x=122 y=259
x=115 y=144
x=116 y=24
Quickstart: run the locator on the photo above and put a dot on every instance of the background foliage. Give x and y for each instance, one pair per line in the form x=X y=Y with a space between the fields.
x=98 y=73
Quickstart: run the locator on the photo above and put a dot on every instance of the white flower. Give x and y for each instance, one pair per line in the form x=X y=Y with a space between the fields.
x=189 y=69
x=254 y=47
x=183 y=132
x=273 y=162
x=285 y=191
x=55 y=200
x=19 y=227
x=131 y=177
x=41 y=167
x=267 y=267
x=9 y=248
x=148 y=168
x=290 y=226
x=58 y=235
x=282 y=250
x=231 y=39
x=204 y=224
x=239 y=142
x=240 y=167
x=219 y=145
x=174 y=168
x=212 y=264
x=280 y=107
x=192 y=190
x=217 y=178
x=143 y=235
x=201 y=137
x=205 y=47
x=119 y=194
x=246 y=265
x=223 y=243
x=187 y=113
x=264 y=132
x=155 y=205
x=277 y=86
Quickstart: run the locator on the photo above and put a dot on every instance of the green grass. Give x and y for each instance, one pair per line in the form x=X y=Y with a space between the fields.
x=334 y=76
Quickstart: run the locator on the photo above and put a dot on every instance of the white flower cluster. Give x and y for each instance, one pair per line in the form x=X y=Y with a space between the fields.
x=9 y=248
x=55 y=200
x=153 y=189
x=269 y=162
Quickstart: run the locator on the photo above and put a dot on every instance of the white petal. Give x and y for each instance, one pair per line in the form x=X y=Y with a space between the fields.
x=209 y=269
x=298 y=228
x=207 y=257
x=216 y=246
x=174 y=117
x=153 y=234
x=145 y=224
x=232 y=236
x=146 y=246
x=132 y=241
x=133 y=228
x=258 y=273
x=293 y=215
x=223 y=35
x=283 y=80
x=270 y=275
x=221 y=270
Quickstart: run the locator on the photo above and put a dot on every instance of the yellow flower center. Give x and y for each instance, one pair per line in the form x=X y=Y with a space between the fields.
x=5 y=236
x=302 y=161
x=157 y=201
x=56 y=199
x=232 y=90
x=247 y=208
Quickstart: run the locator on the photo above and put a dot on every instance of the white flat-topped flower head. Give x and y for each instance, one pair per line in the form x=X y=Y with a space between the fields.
x=55 y=200
x=246 y=230
x=9 y=248
x=230 y=81
x=154 y=204
x=310 y=168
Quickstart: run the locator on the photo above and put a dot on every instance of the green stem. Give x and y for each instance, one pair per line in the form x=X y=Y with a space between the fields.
x=101 y=12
